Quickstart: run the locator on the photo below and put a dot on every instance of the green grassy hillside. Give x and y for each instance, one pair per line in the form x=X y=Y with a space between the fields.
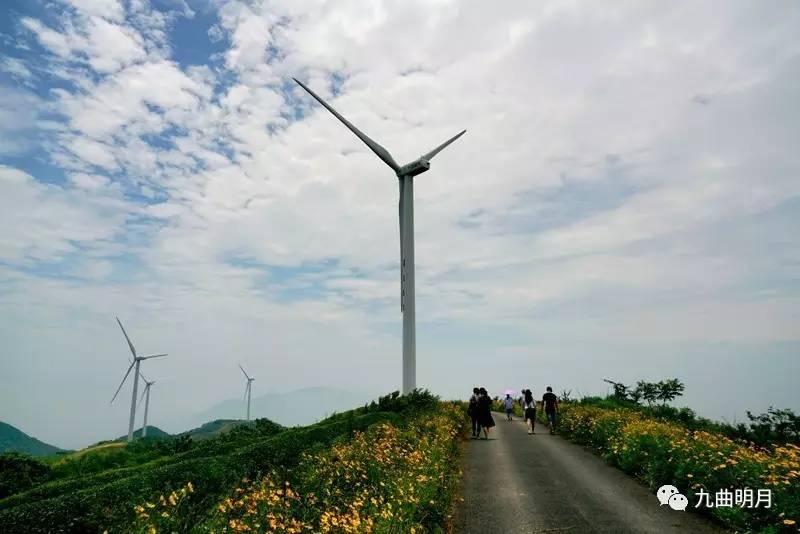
x=99 y=491
x=14 y=440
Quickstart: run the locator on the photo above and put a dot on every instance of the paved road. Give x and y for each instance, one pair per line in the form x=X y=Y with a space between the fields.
x=516 y=483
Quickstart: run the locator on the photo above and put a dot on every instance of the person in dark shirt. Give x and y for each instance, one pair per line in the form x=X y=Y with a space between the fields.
x=550 y=404
x=485 y=418
x=472 y=410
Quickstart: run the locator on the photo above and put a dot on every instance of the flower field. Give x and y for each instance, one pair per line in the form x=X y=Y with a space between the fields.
x=659 y=453
x=388 y=478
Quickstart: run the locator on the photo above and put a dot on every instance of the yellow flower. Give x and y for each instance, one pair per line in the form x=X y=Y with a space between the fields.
x=789 y=522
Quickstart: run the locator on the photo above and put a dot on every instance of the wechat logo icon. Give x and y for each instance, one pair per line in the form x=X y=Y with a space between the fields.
x=670 y=495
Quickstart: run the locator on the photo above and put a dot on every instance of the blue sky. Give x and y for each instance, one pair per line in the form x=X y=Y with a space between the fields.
x=623 y=205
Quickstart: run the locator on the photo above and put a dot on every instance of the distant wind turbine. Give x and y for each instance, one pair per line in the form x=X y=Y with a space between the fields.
x=405 y=174
x=145 y=394
x=137 y=361
x=247 y=389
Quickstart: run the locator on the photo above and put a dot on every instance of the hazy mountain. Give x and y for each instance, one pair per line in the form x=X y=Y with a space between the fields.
x=300 y=407
x=13 y=439
x=152 y=432
x=213 y=428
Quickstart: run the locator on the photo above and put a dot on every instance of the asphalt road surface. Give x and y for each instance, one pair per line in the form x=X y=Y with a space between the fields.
x=516 y=483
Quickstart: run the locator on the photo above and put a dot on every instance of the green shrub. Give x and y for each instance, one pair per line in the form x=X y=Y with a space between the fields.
x=661 y=452
x=18 y=472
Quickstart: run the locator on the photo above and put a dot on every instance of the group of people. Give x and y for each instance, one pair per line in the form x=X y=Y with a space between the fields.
x=528 y=404
x=480 y=411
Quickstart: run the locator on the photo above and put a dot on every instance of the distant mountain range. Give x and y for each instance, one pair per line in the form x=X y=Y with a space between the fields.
x=295 y=408
x=13 y=439
x=299 y=407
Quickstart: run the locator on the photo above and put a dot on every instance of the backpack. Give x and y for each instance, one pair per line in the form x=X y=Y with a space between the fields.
x=473 y=405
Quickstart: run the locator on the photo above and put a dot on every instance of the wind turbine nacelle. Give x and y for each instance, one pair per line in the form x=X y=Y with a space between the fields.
x=414 y=168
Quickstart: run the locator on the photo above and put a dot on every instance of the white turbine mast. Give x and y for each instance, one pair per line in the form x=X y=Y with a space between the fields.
x=405 y=175
x=137 y=361
x=145 y=394
x=247 y=389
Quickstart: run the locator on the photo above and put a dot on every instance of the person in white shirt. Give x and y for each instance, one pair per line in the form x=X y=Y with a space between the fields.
x=508 y=402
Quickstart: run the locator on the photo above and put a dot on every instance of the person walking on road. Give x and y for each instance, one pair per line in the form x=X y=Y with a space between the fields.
x=550 y=404
x=485 y=419
x=472 y=411
x=529 y=407
x=508 y=402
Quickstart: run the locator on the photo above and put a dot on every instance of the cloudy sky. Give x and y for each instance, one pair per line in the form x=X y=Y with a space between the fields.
x=625 y=204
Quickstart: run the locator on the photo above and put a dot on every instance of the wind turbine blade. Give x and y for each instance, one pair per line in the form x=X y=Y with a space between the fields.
x=144 y=392
x=247 y=387
x=441 y=147
x=375 y=147
x=243 y=371
x=152 y=356
x=133 y=350
x=123 y=381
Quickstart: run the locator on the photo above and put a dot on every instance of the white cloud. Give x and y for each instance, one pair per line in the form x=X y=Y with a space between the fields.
x=88 y=181
x=19 y=111
x=105 y=46
x=17 y=68
x=93 y=152
x=47 y=222
x=110 y=9
x=250 y=39
x=111 y=46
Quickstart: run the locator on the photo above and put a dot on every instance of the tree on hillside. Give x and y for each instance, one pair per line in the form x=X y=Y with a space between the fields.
x=648 y=391
x=775 y=425
x=668 y=390
x=620 y=389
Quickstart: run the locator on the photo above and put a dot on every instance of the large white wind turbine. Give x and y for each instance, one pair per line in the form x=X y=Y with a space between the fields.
x=247 y=389
x=145 y=394
x=137 y=361
x=405 y=174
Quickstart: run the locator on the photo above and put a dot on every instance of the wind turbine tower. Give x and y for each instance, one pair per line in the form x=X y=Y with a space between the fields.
x=248 y=389
x=405 y=175
x=146 y=398
x=137 y=362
